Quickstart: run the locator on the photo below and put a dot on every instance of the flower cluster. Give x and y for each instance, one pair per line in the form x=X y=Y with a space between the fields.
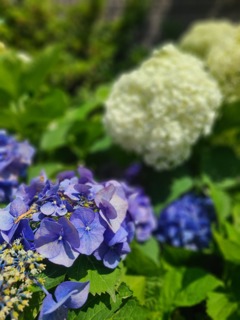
x=15 y=157
x=186 y=222
x=203 y=35
x=217 y=42
x=162 y=108
x=77 y=216
x=223 y=62
x=18 y=269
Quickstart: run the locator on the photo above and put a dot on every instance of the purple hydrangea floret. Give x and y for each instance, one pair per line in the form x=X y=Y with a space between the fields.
x=68 y=295
x=15 y=157
x=186 y=222
x=57 y=241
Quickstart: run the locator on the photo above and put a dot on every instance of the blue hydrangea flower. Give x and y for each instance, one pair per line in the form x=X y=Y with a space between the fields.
x=15 y=157
x=57 y=241
x=12 y=229
x=141 y=212
x=186 y=222
x=68 y=295
x=90 y=229
x=114 y=248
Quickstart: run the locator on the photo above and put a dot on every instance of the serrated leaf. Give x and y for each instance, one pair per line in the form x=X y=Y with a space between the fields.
x=137 y=284
x=221 y=306
x=101 y=279
x=131 y=310
x=152 y=293
x=101 y=306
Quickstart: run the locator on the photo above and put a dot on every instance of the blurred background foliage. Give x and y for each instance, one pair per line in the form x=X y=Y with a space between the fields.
x=56 y=70
x=57 y=67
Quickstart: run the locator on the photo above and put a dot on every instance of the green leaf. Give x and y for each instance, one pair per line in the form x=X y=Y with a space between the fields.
x=101 y=306
x=236 y=214
x=131 y=310
x=176 y=256
x=230 y=117
x=8 y=82
x=143 y=262
x=229 y=249
x=232 y=233
x=172 y=282
x=222 y=202
x=220 y=163
x=184 y=287
x=38 y=70
x=220 y=306
x=178 y=187
x=101 y=145
x=55 y=135
x=101 y=279
x=31 y=311
x=52 y=275
x=137 y=284
x=196 y=283
x=152 y=293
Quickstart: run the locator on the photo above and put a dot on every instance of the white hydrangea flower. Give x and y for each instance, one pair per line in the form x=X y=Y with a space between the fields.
x=161 y=109
x=223 y=62
x=203 y=35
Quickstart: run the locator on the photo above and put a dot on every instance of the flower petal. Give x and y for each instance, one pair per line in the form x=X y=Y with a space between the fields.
x=76 y=292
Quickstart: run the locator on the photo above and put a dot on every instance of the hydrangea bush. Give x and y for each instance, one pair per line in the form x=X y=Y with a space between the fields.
x=161 y=109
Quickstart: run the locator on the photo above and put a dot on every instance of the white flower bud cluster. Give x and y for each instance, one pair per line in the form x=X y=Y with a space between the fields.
x=161 y=109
